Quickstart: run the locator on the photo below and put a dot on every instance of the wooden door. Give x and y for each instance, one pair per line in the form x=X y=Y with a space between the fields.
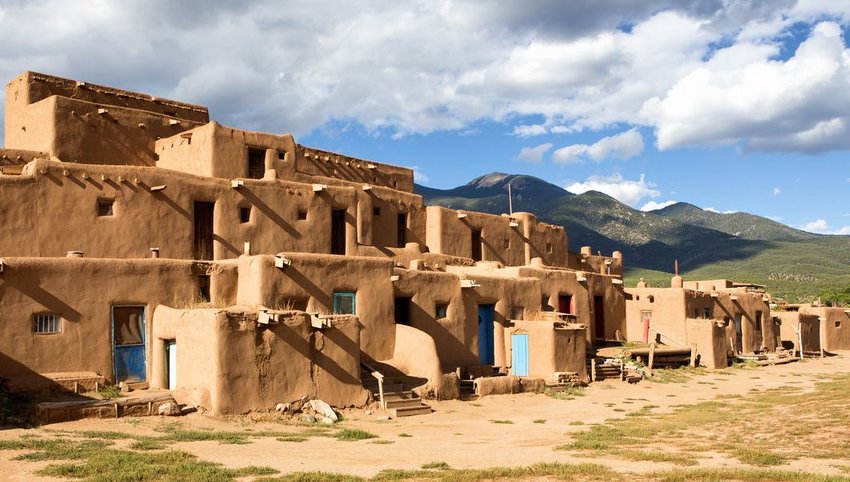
x=203 y=245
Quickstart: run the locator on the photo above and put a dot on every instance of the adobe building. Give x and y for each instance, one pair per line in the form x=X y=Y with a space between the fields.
x=721 y=318
x=144 y=243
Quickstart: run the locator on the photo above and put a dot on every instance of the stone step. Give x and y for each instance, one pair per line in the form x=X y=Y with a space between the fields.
x=401 y=395
x=422 y=409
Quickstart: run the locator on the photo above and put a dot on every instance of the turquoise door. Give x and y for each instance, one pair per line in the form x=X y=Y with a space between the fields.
x=519 y=354
x=128 y=343
x=485 y=334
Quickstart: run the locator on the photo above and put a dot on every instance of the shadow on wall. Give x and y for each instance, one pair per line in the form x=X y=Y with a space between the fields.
x=450 y=348
x=33 y=290
x=311 y=349
x=318 y=294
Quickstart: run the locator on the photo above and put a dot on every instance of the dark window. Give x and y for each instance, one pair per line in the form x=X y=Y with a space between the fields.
x=442 y=310
x=45 y=323
x=548 y=247
x=401 y=230
x=302 y=214
x=344 y=303
x=402 y=310
x=104 y=207
x=338 y=231
x=203 y=288
x=376 y=211
x=506 y=244
x=476 y=244
x=544 y=304
x=256 y=163
x=244 y=214
x=281 y=155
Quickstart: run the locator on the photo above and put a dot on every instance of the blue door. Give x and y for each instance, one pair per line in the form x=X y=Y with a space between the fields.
x=485 y=334
x=344 y=303
x=128 y=343
x=519 y=354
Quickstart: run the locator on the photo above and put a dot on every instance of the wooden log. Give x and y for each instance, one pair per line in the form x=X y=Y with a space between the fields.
x=693 y=355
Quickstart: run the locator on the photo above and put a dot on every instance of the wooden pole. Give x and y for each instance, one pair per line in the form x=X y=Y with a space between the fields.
x=651 y=356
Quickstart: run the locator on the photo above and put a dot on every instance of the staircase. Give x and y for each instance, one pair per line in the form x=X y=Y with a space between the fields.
x=398 y=399
x=467 y=391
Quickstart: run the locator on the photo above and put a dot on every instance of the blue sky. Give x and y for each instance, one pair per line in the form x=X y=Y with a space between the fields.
x=725 y=104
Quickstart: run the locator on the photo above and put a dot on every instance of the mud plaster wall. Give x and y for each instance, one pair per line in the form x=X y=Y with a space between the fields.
x=273 y=226
x=584 y=261
x=255 y=367
x=808 y=324
x=747 y=305
x=314 y=278
x=89 y=123
x=555 y=283
x=708 y=336
x=836 y=326
x=668 y=313
x=316 y=162
x=82 y=291
x=553 y=347
x=511 y=246
x=416 y=355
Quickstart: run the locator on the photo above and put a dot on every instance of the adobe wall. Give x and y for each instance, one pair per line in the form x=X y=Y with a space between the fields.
x=736 y=301
x=228 y=363
x=312 y=279
x=553 y=347
x=557 y=282
x=320 y=163
x=447 y=233
x=274 y=223
x=80 y=122
x=836 y=325
x=709 y=338
x=808 y=324
x=82 y=291
x=669 y=311
x=585 y=260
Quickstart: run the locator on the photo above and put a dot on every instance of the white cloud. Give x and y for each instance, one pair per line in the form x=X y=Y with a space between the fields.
x=620 y=146
x=777 y=191
x=533 y=154
x=821 y=226
x=530 y=130
x=395 y=69
x=654 y=206
x=624 y=190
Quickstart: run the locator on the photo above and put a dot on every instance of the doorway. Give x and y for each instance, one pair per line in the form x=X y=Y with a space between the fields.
x=739 y=335
x=401 y=230
x=565 y=303
x=402 y=310
x=476 y=244
x=203 y=240
x=338 y=231
x=128 y=343
x=171 y=363
x=486 y=348
x=599 y=317
x=519 y=354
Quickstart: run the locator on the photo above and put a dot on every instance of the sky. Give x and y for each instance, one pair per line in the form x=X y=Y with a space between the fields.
x=731 y=105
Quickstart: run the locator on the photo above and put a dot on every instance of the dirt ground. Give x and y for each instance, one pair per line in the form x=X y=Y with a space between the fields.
x=504 y=430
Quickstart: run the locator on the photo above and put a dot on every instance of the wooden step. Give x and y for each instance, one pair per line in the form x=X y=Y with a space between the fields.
x=403 y=403
x=422 y=409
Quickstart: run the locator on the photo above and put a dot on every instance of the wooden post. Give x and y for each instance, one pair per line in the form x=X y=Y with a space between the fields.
x=622 y=370
x=693 y=355
x=593 y=369
x=651 y=356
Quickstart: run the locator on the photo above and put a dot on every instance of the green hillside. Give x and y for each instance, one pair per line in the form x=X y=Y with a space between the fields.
x=793 y=264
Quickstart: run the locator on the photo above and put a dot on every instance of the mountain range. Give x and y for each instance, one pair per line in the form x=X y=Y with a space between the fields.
x=791 y=263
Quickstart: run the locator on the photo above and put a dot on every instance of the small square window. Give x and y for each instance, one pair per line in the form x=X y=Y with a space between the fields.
x=548 y=247
x=104 y=207
x=244 y=214
x=517 y=312
x=46 y=323
x=838 y=323
x=302 y=214
x=544 y=304
x=442 y=310
x=376 y=211
x=506 y=244
x=281 y=155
